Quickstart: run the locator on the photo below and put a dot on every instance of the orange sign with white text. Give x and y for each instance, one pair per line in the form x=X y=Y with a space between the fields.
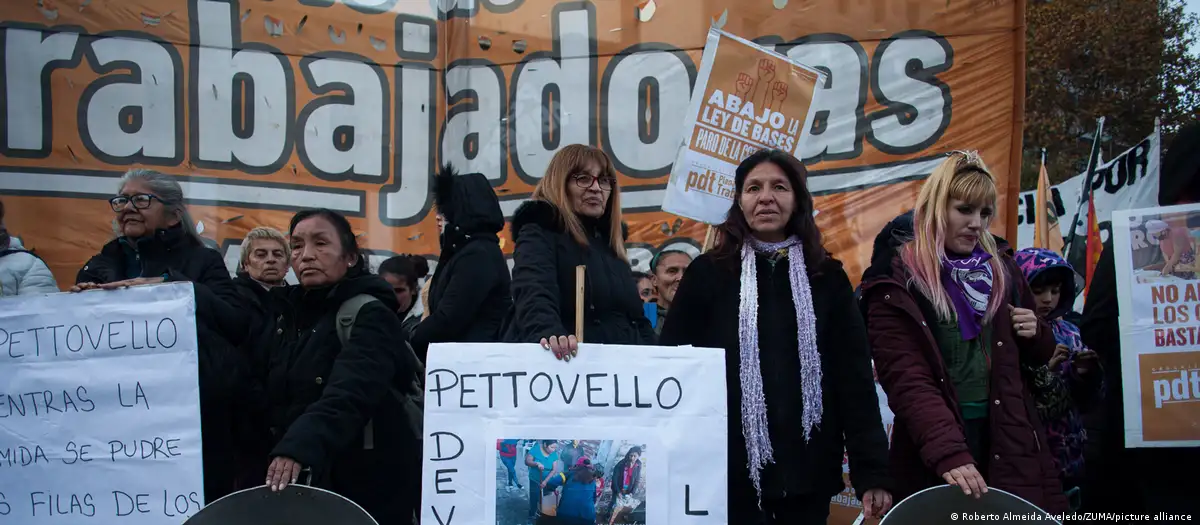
x=747 y=98
x=1170 y=396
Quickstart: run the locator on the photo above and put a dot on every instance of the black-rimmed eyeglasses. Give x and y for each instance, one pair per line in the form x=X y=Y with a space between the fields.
x=585 y=181
x=140 y=201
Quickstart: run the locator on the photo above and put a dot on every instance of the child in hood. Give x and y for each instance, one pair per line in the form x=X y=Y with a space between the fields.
x=1071 y=383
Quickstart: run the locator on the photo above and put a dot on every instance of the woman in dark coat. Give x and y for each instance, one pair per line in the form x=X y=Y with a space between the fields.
x=262 y=267
x=799 y=373
x=157 y=242
x=951 y=321
x=337 y=409
x=574 y=218
x=470 y=295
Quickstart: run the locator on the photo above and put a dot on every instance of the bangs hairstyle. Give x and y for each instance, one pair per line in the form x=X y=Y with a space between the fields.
x=962 y=176
x=552 y=189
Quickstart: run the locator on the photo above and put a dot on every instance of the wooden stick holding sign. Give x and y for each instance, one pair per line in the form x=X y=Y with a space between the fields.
x=580 y=276
x=710 y=238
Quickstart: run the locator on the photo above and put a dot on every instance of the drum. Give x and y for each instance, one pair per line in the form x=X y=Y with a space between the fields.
x=295 y=505
x=947 y=505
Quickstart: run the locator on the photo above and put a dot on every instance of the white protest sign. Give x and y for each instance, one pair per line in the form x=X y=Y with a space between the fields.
x=100 y=407
x=660 y=411
x=1160 y=326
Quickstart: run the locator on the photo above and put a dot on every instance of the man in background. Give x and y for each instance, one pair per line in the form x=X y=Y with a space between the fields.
x=666 y=271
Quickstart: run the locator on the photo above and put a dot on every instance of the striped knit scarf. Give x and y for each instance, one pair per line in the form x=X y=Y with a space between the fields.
x=754 y=408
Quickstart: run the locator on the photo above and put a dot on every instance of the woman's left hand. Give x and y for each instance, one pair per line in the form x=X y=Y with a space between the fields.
x=281 y=472
x=876 y=503
x=1025 y=322
x=131 y=282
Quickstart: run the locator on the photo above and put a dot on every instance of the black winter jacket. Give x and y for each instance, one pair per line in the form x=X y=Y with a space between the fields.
x=705 y=313
x=321 y=396
x=255 y=302
x=221 y=328
x=469 y=296
x=543 y=283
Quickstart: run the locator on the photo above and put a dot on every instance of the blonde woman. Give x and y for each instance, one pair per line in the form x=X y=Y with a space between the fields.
x=950 y=319
x=574 y=218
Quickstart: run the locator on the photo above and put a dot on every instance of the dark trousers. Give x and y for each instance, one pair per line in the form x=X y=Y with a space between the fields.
x=535 y=497
x=510 y=463
x=793 y=510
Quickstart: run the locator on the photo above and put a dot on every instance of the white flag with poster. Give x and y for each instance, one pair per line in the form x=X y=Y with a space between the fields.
x=1128 y=181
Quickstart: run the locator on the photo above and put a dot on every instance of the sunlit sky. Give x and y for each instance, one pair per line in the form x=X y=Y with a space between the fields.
x=1193 y=6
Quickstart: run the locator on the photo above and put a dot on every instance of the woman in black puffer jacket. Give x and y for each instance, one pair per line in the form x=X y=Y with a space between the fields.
x=470 y=293
x=157 y=242
x=337 y=399
x=574 y=218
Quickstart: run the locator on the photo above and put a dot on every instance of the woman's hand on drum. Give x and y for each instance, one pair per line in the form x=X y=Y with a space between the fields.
x=968 y=479
x=876 y=503
x=564 y=346
x=281 y=472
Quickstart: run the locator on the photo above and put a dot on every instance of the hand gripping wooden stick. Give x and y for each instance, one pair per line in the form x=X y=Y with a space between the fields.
x=580 y=277
x=710 y=238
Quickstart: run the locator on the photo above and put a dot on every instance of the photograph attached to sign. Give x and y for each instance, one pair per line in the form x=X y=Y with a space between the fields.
x=570 y=482
x=1165 y=246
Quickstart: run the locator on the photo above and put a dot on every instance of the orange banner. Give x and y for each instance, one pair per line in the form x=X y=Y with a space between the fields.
x=265 y=107
x=1170 y=396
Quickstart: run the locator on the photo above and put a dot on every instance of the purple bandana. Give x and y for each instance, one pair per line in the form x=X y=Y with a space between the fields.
x=968 y=282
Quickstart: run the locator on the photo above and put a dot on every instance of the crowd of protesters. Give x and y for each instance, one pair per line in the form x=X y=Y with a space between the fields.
x=312 y=382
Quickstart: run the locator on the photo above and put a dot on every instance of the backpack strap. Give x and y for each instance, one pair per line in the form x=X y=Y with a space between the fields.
x=347 y=314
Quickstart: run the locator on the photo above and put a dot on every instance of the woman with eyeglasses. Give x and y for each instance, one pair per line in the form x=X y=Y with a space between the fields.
x=156 y=242
x=574 y=218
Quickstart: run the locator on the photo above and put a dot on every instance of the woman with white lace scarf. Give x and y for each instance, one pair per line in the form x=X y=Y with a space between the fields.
x=800 y=383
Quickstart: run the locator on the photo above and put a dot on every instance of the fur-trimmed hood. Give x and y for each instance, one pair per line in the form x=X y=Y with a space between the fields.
x=468 y=202
x=546 y=215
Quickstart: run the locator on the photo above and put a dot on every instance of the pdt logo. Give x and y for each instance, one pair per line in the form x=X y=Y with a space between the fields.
x=710 y=182
x=1170 y=396
x=1181 y=388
